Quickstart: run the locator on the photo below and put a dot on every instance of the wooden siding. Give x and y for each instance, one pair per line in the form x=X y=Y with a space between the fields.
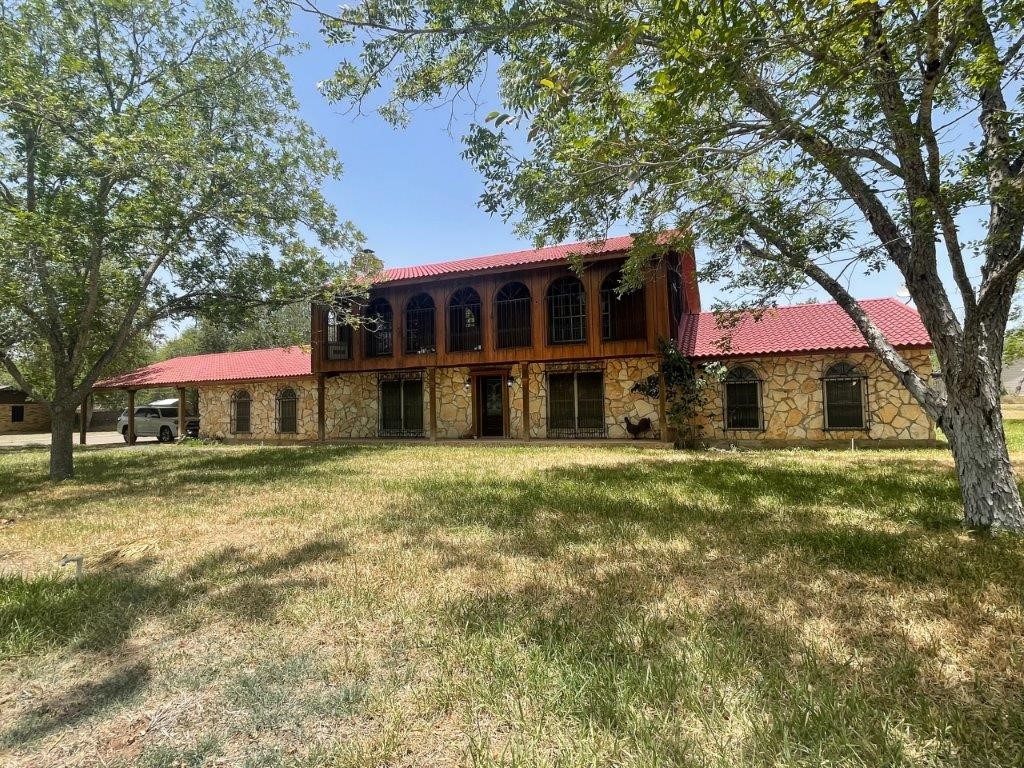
x=487 y=284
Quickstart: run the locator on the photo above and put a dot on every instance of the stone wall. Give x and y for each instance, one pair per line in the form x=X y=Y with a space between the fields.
x=454 y=404
x=215 y=410
x=351 y=409
x=37 y=418
x=793 y=402
x=791 y=388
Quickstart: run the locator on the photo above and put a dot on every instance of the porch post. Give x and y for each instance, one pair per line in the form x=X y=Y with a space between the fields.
x=321 y=408
x=662 y=409
x=131 y=417
x=432 y=394
x=83 y=424
x=525 y=368
x=181 y=413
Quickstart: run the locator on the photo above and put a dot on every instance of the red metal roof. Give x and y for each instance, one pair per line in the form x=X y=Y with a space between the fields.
x=799 y=328
x=255 y=365
x=511 y=259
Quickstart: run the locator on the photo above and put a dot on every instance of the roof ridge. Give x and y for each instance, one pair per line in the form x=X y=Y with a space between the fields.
x=231 y=352
x=511 y=254
x=888 y=299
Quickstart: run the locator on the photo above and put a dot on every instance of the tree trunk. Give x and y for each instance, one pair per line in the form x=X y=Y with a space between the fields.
x=62 y=433
x=973 y=424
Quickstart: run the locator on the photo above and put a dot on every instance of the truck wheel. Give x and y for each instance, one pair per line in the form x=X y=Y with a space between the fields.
x=124 y=434
x=165 y=436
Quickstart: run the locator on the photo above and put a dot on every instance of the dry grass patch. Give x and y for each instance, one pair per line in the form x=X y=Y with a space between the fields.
x=499 y=605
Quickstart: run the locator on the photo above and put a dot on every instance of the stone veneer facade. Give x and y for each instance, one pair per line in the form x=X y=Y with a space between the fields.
x=215 y=410
x=791 y=393
x=793 y=405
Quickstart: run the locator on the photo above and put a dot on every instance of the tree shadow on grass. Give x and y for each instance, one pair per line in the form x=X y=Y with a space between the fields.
x=605 y=655
x=902 y=514
x=100 y=613
x=182 y=472
x=768 y=564
x=80 y=702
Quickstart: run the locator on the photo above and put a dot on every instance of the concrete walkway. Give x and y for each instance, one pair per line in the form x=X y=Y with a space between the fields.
x=35 y=439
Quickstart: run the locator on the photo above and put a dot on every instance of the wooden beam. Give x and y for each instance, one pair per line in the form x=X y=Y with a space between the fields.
x=84 y=421
x=432 y=394
x=131 y=417
x=181 y=413
x=525 y=381
x=321 y=408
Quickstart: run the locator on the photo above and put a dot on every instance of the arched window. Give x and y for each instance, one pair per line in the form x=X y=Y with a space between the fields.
x=419 y=325
x=512 y=317
x=567 y=311
x=845 y=397
x=464 y=321
x=379 y=328
x=339 y=337
x=742 y=399
x=287 y=411
x=622 y=316
x=241 y=411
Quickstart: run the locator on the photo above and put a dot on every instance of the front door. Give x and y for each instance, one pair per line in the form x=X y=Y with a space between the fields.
x=491 y=405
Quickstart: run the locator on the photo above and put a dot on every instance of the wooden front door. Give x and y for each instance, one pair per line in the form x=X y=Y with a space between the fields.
x=491 y=406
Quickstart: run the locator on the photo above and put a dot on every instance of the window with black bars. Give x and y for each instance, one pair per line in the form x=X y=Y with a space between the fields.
x=576 y=404
x=845 y=401
x=379 y=329
x=742 y=399
x=401 y=408
x=419 y=325
x=287 y=411
x=241 y=410
x=464 y=334
x=567 y=311
x=339 y=338
x=622 y=316
x=512 y=317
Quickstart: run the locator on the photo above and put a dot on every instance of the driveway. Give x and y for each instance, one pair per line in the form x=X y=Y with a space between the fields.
x=43 y=438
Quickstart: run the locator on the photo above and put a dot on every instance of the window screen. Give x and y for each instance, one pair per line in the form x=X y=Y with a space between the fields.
x=742 y=399
x=17 y=413
x=512 y=316
x=567 y=311
x=576 y=404
x=287 y=416
x=622 y=317
x=241 y=406
x=844 y=397
x=401 y=408
x=464 y=333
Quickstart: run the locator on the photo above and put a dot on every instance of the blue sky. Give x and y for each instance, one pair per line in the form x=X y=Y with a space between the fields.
x=413 y=195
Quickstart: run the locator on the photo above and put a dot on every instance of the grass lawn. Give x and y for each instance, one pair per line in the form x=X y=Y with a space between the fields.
x=505 y=605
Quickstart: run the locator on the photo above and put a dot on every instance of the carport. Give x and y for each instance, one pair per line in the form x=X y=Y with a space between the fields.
x=198 y=371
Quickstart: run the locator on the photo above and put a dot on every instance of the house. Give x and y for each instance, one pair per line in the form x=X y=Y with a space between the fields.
x=804 y=375
x=518 y=346
x=19 y=413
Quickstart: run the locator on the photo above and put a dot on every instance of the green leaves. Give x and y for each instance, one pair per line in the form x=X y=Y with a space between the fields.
x=154 y=167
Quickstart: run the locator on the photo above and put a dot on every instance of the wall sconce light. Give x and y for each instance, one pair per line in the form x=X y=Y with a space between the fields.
x=510 y=382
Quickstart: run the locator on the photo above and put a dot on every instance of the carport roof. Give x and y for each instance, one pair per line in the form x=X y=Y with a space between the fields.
x=254 y=365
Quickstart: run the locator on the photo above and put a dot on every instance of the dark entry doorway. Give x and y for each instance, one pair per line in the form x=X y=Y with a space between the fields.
x=490 y=398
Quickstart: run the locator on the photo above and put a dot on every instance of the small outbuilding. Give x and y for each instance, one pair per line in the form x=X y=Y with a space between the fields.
x=20 y=413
